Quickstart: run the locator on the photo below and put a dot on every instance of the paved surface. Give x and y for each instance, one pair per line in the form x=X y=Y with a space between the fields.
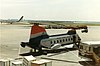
x=12 y=35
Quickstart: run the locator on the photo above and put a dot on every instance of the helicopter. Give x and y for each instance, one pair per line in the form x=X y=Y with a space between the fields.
x=55 y=42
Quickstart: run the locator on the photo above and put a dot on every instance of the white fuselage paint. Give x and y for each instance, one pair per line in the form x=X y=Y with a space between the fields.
x=64 y=39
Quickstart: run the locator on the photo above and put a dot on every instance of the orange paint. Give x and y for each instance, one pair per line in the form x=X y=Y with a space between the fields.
x=37 y=29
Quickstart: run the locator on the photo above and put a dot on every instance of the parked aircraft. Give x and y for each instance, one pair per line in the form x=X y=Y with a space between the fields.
x=11 y=21
x=55 y=42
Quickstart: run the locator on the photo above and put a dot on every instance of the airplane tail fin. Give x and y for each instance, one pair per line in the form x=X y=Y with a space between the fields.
x=37 y=31
x=20 y=19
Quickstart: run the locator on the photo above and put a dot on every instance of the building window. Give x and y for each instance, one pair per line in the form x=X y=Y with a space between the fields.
x=89 y=48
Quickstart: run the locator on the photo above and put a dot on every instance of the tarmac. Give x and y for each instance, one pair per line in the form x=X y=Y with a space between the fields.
x=12 y=35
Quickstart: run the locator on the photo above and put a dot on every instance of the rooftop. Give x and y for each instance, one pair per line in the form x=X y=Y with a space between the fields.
x=92 y=42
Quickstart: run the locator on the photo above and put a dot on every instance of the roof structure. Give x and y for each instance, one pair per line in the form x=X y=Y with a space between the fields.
x=93 y=43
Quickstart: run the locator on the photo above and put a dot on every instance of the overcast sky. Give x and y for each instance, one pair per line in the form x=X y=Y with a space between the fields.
x=51 y=9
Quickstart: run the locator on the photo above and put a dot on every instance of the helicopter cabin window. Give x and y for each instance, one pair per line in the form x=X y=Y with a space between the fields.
x=66 y=39
x=57 y=41
x=54 y=42
x=60 y=41
x=71 y=38
x=51 y=42
x=63 y=40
